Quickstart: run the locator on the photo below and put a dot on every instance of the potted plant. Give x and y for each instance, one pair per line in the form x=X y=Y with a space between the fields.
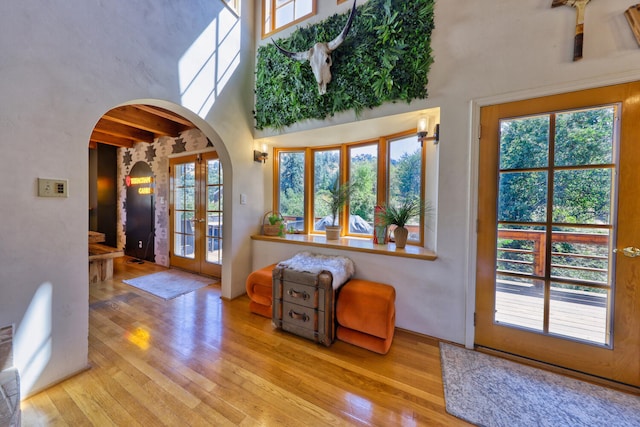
x=275 y=226
x=399 y=215
x=336 y=199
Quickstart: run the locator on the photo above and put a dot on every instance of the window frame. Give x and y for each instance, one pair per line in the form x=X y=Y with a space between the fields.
x=273 y=27
x=234 y=5
x=382 y=182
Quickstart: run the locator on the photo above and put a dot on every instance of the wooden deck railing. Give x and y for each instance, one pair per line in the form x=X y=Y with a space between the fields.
x=539 y=254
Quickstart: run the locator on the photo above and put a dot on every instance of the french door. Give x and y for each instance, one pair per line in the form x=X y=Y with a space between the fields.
x=557 y=279
x=196 y=213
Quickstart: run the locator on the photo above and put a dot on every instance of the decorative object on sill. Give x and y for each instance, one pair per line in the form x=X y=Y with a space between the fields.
x=386 y=58
x=336 y=199
x=633 y=17
x=399 y=215
x=580 y=6
x=379 y=228
x=273 y=224
x=319 y=56
x=261 y=156
x=423 y=130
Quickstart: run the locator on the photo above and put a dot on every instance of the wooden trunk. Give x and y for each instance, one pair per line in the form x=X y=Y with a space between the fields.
x=304 y=304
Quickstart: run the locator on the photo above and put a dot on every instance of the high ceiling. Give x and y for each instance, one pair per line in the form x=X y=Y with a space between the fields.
x=127 y=125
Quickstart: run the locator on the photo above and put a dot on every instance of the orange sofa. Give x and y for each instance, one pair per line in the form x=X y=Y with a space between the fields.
x=259 y=288
x=366 y=314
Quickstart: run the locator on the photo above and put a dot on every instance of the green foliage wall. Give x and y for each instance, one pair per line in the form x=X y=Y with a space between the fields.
x=385 y=58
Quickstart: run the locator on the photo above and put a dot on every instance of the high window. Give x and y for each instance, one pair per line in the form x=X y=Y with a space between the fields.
x=279 y=14
x=233 y=4
x=385 y=170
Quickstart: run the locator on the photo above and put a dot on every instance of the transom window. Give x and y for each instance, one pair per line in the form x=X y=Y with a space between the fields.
x=279 y=14
x=385 y=170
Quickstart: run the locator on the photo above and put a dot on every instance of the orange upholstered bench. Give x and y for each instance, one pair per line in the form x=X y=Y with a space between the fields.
x=259 y=288
x=366 y=314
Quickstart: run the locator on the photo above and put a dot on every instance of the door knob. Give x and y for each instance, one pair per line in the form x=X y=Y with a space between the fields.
x=631 y=252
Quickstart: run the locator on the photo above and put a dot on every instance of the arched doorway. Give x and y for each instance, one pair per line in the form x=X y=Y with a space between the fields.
x=195 y=135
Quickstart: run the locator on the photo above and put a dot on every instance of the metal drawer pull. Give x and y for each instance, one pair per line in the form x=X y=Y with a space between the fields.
x=631 y=252
x=298 y=316
x=296 y=294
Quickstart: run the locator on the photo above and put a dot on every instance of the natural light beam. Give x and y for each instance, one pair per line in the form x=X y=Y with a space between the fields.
x=32 y=345
x=207 y=65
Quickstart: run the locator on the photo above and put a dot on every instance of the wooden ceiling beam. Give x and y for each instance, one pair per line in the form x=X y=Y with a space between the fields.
x=123 y=131
x=103 y=138
x=135 y=117
x=165 y=114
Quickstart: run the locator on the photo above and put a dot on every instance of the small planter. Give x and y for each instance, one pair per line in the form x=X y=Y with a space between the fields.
x=400 y=234
x=273 y=224
x=333 y=232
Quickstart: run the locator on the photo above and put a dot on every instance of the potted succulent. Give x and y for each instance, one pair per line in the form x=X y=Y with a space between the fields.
x=399 y=215
x=336 y=199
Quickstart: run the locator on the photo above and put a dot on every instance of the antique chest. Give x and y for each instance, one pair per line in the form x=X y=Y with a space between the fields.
x=304 y=304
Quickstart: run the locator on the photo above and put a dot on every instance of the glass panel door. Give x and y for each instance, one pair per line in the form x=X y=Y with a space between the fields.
x=558 y=215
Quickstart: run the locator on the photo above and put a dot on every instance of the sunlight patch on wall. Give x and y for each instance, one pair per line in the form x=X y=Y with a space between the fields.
x=209 y=62
x=32 y=346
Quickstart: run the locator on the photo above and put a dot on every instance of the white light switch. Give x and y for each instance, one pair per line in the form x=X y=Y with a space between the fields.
x=53 y=187
x=243 y=199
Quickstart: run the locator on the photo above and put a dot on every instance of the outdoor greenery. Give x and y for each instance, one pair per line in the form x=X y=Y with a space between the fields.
x=581 y=196
x=385 y=58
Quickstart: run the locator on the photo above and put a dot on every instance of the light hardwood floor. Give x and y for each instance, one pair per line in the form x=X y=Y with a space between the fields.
x=203 y=361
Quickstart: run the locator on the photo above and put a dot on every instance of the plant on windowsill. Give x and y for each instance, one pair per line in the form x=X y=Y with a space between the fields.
x=275 y=226
x=399 y=215
x=336 y=199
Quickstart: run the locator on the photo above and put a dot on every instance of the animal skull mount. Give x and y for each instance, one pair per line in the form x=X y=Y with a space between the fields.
x=580 y=6
x=319 y=56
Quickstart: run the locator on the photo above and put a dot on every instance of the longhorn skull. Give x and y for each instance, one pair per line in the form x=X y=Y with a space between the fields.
x=319 y=56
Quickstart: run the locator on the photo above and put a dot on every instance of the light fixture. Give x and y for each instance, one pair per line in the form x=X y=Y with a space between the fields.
x=261 y=156
x=423 y=130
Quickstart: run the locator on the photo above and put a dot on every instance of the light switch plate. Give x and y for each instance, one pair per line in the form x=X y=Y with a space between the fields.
x=53 y=187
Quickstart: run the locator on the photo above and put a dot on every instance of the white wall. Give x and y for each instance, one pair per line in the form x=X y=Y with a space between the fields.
x=62 y=66
x=484 y=52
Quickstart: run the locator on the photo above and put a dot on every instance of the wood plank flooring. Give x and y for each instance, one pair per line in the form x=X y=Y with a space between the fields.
x=202 y=361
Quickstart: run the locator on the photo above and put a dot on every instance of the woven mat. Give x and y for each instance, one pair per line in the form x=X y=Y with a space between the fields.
x=171 y=283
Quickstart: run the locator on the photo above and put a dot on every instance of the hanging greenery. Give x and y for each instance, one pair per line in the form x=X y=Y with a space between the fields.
x=385 y=58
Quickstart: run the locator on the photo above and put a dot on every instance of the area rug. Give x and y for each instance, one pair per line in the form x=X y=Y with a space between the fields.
x=170 y=284
x=490 y=391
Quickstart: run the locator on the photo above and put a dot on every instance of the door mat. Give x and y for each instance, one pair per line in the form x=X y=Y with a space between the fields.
x=490 y=391
x=171 y=283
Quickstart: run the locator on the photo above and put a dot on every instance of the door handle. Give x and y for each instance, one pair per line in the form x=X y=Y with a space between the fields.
x=630 y=252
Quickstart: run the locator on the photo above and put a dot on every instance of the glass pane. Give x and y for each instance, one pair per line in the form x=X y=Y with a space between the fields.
x=214 y=172
x=291 y=183
x=521 y=250
x=179 y=198
x=363 y=173
x=284 y=15
x=585 y=137
x=523 y=197
x=214 y=194
x=405 y=176
x=520 y=302
x=524 y=143
x=326 y=170
x=582 y=196
x=579 y=312
x=580 y=254
x=303 y=7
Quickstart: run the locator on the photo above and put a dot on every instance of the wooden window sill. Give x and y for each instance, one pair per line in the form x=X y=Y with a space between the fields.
x=354 y=244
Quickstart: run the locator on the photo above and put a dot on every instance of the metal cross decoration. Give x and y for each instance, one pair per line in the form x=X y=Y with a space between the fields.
x=580 y=6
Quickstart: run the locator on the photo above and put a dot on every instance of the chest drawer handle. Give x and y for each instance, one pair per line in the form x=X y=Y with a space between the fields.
x=298 y=316
x=296 y=294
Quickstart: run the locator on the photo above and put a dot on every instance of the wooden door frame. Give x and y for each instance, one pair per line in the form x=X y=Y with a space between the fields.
x=565 y=349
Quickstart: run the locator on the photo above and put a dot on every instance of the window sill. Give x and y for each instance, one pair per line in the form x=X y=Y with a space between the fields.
x=352 y=244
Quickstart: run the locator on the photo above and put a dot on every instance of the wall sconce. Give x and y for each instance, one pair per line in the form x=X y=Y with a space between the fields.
x=423 y=130
x=261 y=156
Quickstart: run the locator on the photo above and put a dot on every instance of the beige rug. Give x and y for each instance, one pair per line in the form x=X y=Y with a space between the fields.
x=493 y=392
x=171 y=283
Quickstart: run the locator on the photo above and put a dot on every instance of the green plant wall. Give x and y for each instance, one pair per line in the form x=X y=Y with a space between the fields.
x=385 y=58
